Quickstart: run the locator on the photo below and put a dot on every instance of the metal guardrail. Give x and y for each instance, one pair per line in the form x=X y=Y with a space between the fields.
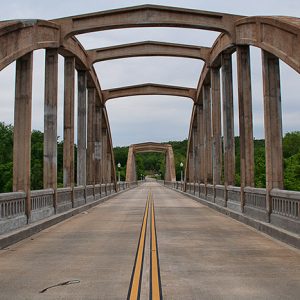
x=285 y=205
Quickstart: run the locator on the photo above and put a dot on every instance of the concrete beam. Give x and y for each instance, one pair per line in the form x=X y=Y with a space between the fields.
x=147 y=16
x=149 y=89
x=148 y=48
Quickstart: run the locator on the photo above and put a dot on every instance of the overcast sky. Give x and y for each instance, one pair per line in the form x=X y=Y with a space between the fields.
x=149 y=118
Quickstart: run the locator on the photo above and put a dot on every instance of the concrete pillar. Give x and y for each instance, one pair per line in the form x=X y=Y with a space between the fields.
x=90 y=155
x=273 y=124
x=191 y=164
x=171 y=164
x=98 y=141
x=50 y=119
x=216 y=125
x=109 y=166
x=104 y=156
x=228 y=120
x=167 y=166
x=196 y=160
x=81 y=129
x=245 y=116
x=208 y=177
x=22 y=128
x=201 y=152
x=69 y=81
x=130 y=165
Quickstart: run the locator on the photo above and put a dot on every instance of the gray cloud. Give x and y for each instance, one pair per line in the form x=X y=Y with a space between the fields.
x=138 y=119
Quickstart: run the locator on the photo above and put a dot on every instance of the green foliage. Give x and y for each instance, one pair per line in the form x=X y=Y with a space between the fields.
x=147 y=163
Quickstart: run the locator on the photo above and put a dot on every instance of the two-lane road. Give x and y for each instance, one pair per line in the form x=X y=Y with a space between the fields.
x=202 y=254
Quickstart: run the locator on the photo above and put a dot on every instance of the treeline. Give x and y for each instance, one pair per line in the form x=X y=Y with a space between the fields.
x=147 y=163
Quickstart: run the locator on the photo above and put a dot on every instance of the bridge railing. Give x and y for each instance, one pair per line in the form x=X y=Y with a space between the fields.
x=252 y=202
x=47 y=202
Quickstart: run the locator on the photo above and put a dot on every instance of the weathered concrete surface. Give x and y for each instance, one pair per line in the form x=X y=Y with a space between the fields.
x=203 y=254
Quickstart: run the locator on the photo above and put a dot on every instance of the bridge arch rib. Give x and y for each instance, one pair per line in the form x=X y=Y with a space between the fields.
x=149 y=89
x=147 y=16
x=148 y=48
x=170 y=174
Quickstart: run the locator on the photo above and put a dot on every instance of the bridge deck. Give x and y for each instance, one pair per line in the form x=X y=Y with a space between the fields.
x=202 y=254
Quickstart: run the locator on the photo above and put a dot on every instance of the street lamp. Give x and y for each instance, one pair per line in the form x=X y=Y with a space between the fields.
x=181 y=171
x=119 y=166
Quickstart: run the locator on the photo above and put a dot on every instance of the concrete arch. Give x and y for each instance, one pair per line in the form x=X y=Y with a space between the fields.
x=170 y=174
x=149 y=89
x=19 y=37
x=277 y=35
x=147 y=16
x=148 y=48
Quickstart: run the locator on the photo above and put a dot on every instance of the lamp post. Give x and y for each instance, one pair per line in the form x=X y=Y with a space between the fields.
x=181 y=172
x=119 y=166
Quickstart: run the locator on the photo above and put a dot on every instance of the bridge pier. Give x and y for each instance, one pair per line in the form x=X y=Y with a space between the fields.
x=22 y=128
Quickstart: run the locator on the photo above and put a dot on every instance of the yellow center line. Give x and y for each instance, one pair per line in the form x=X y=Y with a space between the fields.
x=136 y=279
x=155 y=280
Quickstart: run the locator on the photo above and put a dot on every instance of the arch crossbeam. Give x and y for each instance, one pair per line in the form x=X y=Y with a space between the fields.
x=147 y=16
x=148 y=48
x=149 y=89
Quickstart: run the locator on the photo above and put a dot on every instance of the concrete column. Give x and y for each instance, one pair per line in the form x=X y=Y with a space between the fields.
x=228 y=120
x=81 y=129
x=91 y=136
x=69 y=81
x=208 y=177
x=130 y=165
x=167 y=164
x=245 y=116
x=273 y=124
x=22 y=128
x=196 y=159
x=98 y=141
x=216 y=125
x=104 y=156
x=109 y=166
x=191 y=164
x=201 y=152
x=50 y=119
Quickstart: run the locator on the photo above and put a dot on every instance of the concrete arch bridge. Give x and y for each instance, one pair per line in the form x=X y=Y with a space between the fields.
x=185 y=243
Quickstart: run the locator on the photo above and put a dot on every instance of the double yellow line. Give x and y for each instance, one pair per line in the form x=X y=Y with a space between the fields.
x=136 y=277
